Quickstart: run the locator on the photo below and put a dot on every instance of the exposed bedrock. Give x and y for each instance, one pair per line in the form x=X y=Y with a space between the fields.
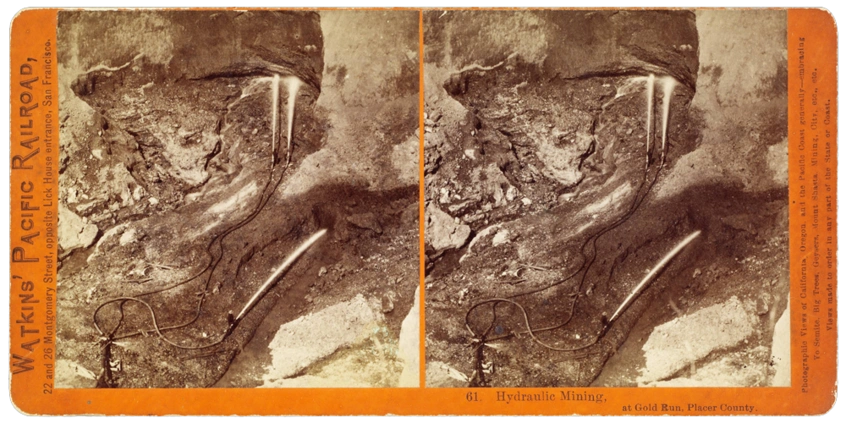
x=546 y=117
x=568 y=44
x=241 y=42
x=175 y=104
x=167 y=142
x=539 y=135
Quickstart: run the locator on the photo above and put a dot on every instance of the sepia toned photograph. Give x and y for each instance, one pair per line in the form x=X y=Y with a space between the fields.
x=412 y=210
x=238 y=199
x=606 y=199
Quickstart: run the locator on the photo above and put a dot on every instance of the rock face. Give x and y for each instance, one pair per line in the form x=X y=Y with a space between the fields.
x=242 y=43
x=441 y=375
x=742 y=96
x=302 y=342
x=73 y=231
x=162 y=119
x=744 y=368
x=372 y=71
x=537 y=123
x=73 y=373
x=167 y=144
x=409 y=345
x=442 y=233
x=670 y=347
x=536 y=120
x=569 y=44
x=551 y=96
x=781 y=349
x=169 y=99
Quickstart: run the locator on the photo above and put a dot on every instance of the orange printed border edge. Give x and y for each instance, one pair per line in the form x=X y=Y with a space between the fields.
x=813 y=388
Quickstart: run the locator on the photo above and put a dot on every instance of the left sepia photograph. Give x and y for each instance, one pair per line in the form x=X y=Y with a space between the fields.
x=238 y=199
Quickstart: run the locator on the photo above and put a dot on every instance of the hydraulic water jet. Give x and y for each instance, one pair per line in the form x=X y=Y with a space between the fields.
x=293 y=84
x=650 y=94
x=274 y=117
x=668 y=84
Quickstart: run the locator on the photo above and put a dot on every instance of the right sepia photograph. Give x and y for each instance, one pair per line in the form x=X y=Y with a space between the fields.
x=606 y=198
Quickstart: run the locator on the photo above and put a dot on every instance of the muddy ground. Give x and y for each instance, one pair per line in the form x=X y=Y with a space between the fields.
x=166 y=173
x=536 y=169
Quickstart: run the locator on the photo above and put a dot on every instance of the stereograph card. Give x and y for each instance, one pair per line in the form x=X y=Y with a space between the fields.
x=423 y=211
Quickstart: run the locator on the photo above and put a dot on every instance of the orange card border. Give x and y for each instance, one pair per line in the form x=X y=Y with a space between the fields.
x=29 y=390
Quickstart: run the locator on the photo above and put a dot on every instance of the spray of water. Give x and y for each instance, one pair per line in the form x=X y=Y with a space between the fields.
x=650 y=94
x=274 y=117
x=666 y=259
x=669 y=84
x=293 y=84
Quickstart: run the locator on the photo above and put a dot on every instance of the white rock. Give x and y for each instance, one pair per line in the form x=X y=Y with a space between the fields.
x=569 y=196
x=501 y=237
x=684 y=340
x=511 y=193
x=781 y=349
x=409 y=345
x=442 y=233
x=741 y=368
x=440 y=374
x=128 y=237
x=70 y=374
x=302 y=342
x=138 y=192
x=480 y=236
x=73 y=231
